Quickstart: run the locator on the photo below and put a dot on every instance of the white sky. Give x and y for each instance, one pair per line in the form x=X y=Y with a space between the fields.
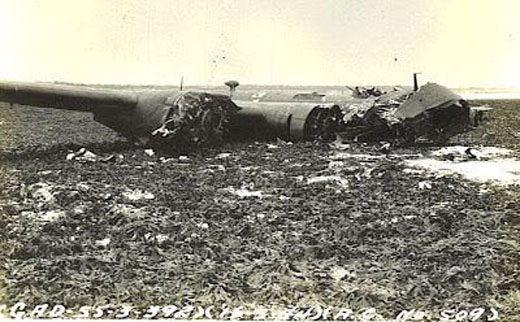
x=458 y=43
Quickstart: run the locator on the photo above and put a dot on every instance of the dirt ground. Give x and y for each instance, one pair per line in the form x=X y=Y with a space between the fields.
x=242 y=224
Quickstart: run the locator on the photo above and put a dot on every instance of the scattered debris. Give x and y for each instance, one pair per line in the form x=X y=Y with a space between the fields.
x=184 y=158
x=203 y=225
x=45 y=172
x=40 y=192
x=102 y=242
x=338 y=144
x=82 y=155
x=161 y=238
x=385 y=147
x=459 y=153
x=128 y=211
x=283 y=142
x=44 y=216
x=358 y=156
x=82 y=186
x=363 y=92
x=245 y=193
x=413 y=171
x=272 y=146
x=149 y=152
x=424 y=185
x=223 y=155
x=337 y=179
x=339 y=273
x=336 y=164
x=258 y=96
x=135 y=195
x=112 y=158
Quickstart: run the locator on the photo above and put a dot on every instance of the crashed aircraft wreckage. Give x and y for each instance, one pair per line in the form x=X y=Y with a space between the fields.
x=146 y=117
x=181 y=119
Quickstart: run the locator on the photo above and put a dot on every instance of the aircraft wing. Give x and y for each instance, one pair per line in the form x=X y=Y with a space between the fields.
x=70 y=97
x=166 y=118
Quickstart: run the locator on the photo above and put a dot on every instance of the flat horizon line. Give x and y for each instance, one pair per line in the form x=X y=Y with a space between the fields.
x=510 y=89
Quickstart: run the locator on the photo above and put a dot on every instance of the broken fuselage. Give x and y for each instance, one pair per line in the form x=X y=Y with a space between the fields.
x=184 y=118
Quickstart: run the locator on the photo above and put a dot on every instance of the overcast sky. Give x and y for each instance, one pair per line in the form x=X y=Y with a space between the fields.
x=459 y=43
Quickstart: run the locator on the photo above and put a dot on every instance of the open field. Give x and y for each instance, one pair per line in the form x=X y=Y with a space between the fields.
x=241 y=224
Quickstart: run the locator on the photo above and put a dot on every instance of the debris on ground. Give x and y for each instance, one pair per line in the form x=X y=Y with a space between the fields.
x=272 y=146
x=112 y=158
x=425 y=185
x=363 y=92
x=40 y=192
x=223 y=155
x=184 y=158
x=149 y=152
x=102 y=242
x=459 y=153
x=137 y=194
x=82 y=155
x=359 y=156
x=338 y=144
x=245 y=193
x=342 y=182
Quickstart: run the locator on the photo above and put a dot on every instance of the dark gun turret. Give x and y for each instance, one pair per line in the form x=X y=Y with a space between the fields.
x=145 y=117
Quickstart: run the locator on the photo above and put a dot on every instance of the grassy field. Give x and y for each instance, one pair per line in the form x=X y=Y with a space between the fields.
x=77 y=233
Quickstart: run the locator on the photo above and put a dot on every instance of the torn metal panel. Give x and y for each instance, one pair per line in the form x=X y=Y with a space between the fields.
x=429 y=96
x=433 y=113
x=194 y=119
x=436 y=124
x=169 y=119
x=362 y=92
